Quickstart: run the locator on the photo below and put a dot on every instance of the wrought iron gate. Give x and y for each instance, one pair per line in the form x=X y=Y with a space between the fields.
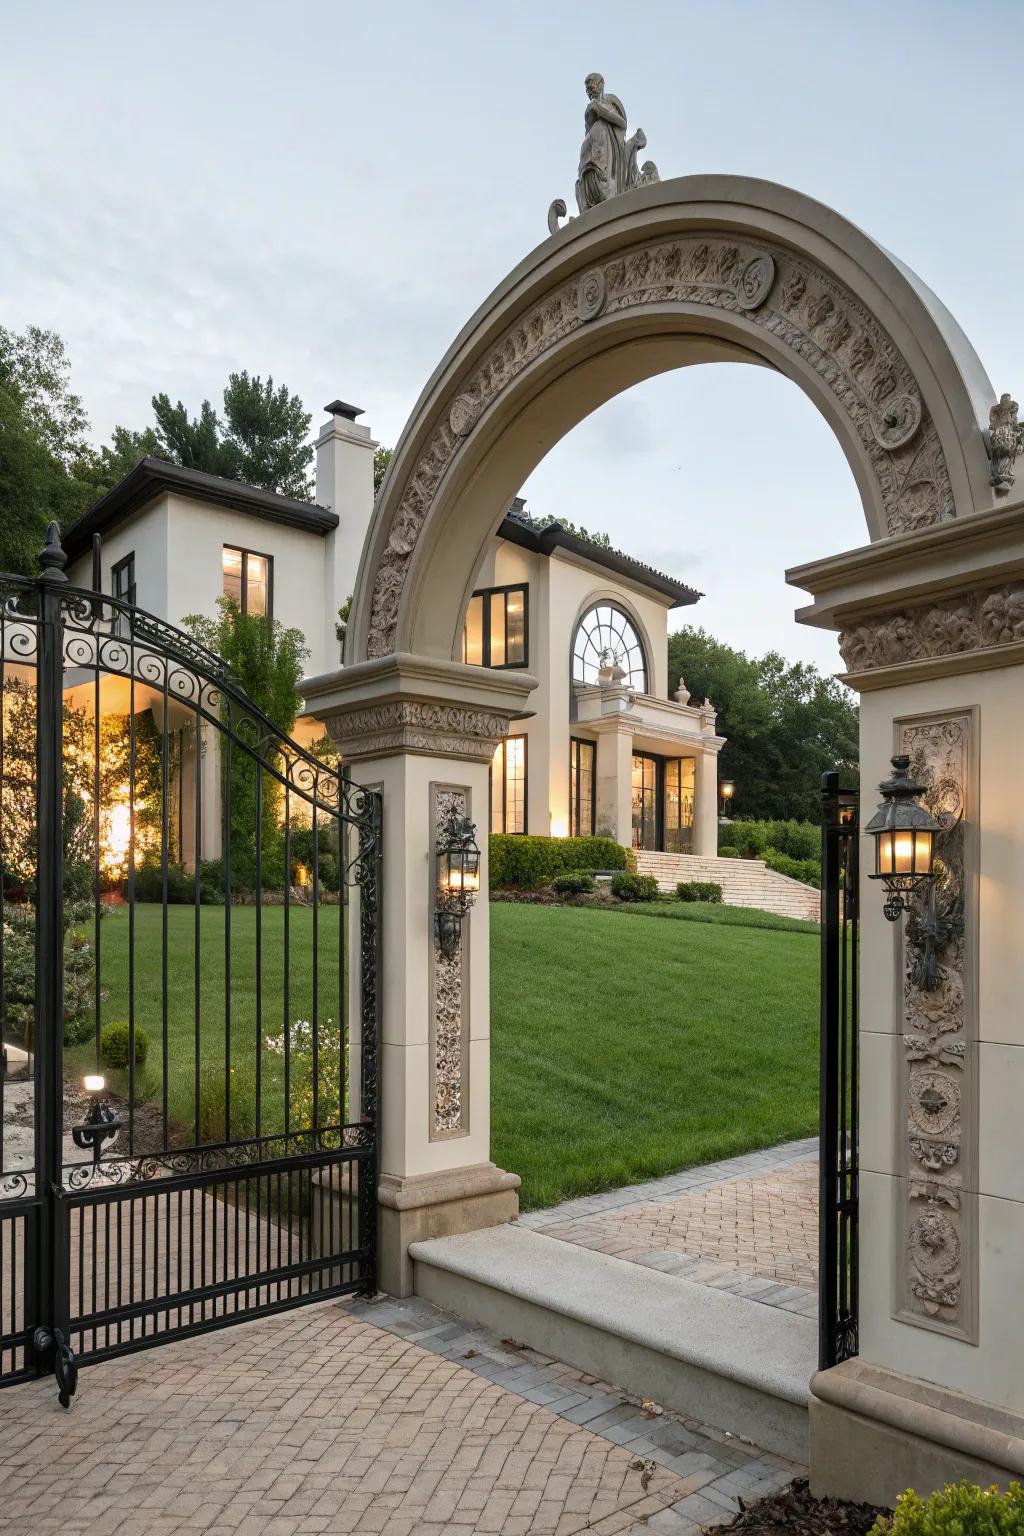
x=191 y=907
x=839 y=1167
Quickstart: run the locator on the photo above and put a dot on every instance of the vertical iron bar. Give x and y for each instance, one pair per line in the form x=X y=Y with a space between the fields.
x=227 y=921
x=197 y=941
x=828 y=1252
x=259 y=950
x=165 y=833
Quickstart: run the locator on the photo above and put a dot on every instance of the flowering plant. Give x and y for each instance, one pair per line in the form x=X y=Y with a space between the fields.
x=315 y=1095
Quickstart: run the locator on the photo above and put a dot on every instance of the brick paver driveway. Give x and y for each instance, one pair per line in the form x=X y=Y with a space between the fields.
x=314 y=1420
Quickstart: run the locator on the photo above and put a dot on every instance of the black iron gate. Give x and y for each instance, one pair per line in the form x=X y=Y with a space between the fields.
x=190 y=965
x=839 y=1168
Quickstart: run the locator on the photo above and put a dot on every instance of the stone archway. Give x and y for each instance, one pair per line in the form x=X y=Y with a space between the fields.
x=672 y=274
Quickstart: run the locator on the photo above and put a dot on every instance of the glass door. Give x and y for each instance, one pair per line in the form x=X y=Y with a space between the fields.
x=677 y=804
x=645 y=802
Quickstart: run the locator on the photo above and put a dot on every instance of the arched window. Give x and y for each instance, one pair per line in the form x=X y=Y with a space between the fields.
x=607 y=634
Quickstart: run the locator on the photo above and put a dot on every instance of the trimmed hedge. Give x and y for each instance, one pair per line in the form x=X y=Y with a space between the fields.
x=577 y=883
x=700 y=890
x=634 y=887
x=807 y=871
x=798 y=839
x=527 y=863
x=115 y=1044
x=960 y=1509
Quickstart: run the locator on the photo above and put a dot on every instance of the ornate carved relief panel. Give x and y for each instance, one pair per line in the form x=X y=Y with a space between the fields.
x=937 y=1255
x=807 y=310
x=449 y=1001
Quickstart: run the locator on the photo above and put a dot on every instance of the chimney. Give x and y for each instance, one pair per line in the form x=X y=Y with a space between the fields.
x=344 y=482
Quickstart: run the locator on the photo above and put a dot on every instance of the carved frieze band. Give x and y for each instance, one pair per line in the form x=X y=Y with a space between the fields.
x=804 y=307
x=938 y=1266
x=449 y=1044
x=413 y=725
x=971 y=621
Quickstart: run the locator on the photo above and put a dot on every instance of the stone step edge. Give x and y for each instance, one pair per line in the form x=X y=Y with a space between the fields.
x=736 y=1363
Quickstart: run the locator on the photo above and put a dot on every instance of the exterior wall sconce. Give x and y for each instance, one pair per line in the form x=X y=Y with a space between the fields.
x=726 y=790
x=458 y=880
x=98 y=1124
x=904 y=834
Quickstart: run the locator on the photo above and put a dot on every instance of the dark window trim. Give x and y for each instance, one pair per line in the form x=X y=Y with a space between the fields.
x=261 y=554
x=634 y=625
x=486 y=593
x=504 y=787
x=574 y=803
x=127 y=563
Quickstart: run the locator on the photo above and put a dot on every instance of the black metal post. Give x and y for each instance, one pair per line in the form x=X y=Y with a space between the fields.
x=370 y=864
x=828 y=1236
x=52 y=1270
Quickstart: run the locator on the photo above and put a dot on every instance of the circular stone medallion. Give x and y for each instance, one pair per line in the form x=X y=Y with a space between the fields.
x=755 y=282
x=897 y=421
x=463 y=414
x=591 y=295
x=934 y=1102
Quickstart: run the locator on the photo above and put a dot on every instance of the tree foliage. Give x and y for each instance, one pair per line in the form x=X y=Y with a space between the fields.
x=262 y=439
x=786 y=724
x=381 y=460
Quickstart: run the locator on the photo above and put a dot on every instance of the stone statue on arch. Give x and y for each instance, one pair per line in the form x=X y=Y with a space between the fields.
x=608 y=159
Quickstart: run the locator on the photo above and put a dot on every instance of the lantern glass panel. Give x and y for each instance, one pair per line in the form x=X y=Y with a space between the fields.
x=903 y=852
x=923 y=853
x=884 y=853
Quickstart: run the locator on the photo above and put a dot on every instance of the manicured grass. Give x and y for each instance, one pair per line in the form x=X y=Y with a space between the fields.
x=726 y=917
x=625 y=1048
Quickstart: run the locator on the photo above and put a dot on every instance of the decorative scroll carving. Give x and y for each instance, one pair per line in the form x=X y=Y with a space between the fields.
x=410 y=725
x=1003 y=444
x=938 y=1075
x=449 y=1101
x=973 y=621
x=807 y=310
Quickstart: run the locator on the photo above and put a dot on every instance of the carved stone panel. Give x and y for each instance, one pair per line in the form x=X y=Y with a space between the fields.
x=970 y=621
x=938 y=1258
x=449 y=1003
x=807 y=310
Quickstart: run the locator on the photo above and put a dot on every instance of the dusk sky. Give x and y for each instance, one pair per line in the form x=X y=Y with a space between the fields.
x=326 y=193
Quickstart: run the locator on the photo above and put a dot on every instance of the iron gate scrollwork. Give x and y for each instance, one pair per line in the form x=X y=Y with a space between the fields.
x=191 y=908
x=839 y=1124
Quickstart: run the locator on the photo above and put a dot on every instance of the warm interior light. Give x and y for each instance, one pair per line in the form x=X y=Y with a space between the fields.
x=728 y=790
x=94 y=1083
x=923 y=851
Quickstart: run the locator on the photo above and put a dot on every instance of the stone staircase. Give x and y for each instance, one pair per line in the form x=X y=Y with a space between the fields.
x=744 y=882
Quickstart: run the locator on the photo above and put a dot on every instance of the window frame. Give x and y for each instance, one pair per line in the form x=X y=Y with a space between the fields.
x=126 y=563
x=485 y=594
x=575 y=829
x=634 y=624
x=502 y=747
x=245 y=552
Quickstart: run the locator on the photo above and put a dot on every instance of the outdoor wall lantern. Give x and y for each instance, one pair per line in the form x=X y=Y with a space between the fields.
x=458 y=880
x=726 y=790
x=904 y=834
x=99 y=1123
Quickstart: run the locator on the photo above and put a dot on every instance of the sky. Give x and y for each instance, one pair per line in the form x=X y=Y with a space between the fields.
x=326 y=193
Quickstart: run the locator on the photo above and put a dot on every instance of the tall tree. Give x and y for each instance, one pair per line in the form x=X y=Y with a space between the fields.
x=381 y=460
x=785 y=723
x=262 y=439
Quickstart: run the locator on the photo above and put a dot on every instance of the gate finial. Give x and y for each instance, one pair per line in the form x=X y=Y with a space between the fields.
x=52 y=558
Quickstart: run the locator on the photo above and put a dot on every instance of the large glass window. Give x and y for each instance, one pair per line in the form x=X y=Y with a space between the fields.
x=248 y=579
x=606 y=636
x=582 y=760
x=496 y=628
x=508 y=786
x=678 y=804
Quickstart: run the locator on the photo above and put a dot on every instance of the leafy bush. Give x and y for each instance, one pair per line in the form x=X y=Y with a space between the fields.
x=326 y=853
x=700 y=890
x=961 y=1509
x=635 y=887
x=181 y=884
x=115 y=1044
x=19 y=991
x=527 y=863
x=798 y=839
x=728 y=853
x=808 y=871
x=577 y=883
x=213 y=1125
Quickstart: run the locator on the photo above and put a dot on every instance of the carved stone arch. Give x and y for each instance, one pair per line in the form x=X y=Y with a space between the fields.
x=700 y=269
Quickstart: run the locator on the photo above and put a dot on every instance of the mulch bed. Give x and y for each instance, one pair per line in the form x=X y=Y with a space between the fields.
x=793 y=1512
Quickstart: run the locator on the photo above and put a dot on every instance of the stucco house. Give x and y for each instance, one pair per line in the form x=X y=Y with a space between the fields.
x=605 y=749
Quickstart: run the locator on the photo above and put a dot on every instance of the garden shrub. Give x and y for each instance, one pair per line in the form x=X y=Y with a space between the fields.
x=635 y=887
x=798 y=839
x=728 y=853
x=527 y=863
x=808 y=871
x=213 y=1126
x=961 y=1509
x=19 y=991
x=575 y=883
x=115 y=1044
x=301 y=841
x=700 y=890
x=181 y=884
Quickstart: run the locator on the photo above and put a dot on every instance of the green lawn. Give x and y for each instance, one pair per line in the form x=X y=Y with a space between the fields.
x=624 y=1047
x=626 y=1043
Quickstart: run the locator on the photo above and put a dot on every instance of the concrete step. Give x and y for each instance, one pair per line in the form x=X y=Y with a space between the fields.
x=744 y=882
x=730 y=1362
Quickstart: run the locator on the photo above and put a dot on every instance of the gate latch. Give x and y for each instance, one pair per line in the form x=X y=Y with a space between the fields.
x=52 y=1348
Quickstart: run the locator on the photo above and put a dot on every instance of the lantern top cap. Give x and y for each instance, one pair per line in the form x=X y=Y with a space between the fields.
x=898 y=810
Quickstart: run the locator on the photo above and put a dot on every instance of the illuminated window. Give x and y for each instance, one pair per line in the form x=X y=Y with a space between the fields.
x=606 y=636
x=582 y=758
x=496 y=628
x=248 y=579
x=508 y=786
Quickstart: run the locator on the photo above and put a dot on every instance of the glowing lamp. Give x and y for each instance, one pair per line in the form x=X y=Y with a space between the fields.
x=458 y=880
x=904 y=834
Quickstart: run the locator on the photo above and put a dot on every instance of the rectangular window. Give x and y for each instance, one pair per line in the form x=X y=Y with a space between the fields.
x=249 y=580
x=582 y=767
x=508 y=786
x=496 y=633
x=122 y=579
